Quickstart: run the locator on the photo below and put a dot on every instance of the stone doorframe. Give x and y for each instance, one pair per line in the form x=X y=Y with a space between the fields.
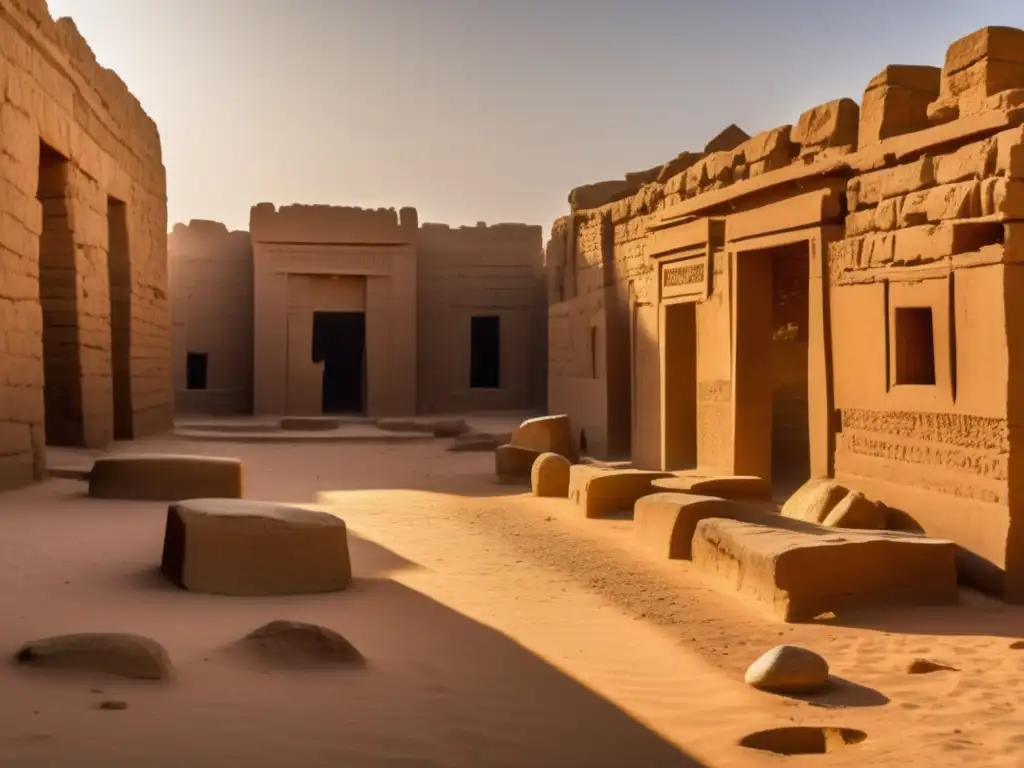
x=747 y=457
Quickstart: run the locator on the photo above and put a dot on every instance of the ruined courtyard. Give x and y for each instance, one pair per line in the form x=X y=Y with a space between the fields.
x=719 y=472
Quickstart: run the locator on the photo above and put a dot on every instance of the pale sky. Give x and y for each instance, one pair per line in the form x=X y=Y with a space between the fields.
x=481 y=110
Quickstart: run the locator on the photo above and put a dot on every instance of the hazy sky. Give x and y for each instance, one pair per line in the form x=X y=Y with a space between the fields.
x=481 y=110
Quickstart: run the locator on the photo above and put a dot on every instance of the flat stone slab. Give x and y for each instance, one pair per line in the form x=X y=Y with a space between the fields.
x=309 y=423
x=600 y=492
x=242 y=547
x=804 y=570
x=111 y=653
x=664 y=523
x=165 y=477
x=546 y=434
x=513 y=464
x=719 y=486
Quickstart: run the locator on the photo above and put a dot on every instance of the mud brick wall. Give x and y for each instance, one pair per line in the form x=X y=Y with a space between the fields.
x=83 y=261
x=480 y=271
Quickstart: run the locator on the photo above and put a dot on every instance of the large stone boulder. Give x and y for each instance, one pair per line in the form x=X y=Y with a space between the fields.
x=110 y=653
x=834 y=505
x=546 y=434
x=550 y=475
x=664 y=523
x=720 y=486
x=165 y=477
x=803 y=570
x=600 y=492
x=235 y=547
x=295 y=644
x=788 y=669
x=513 y=464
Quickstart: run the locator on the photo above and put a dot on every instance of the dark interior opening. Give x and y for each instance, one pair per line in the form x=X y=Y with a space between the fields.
x=485 y=352
x=58 y=296
x=119 y=274
x=915 y=345
x=195 y=370
x=339 y=341
x=680 y=401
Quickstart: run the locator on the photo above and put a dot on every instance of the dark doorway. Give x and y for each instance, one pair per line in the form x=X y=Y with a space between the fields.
x=119 y=274
x=195 y=370
x=339 y=341
x=679 y=418
x=58 y=295
x=485 y=352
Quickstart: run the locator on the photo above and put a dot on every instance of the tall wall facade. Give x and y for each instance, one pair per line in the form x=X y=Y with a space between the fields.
x=832 y=298
x=212 y=311
x=86 y=352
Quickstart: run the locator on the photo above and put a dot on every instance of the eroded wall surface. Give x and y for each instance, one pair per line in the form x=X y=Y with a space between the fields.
x=482 y=271
x=909 y=208
x=211 y=278
x=86 y=346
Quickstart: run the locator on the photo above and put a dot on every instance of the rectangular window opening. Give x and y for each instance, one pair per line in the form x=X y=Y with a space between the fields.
x=485 y=352
x=196 y=365
x=914 y=343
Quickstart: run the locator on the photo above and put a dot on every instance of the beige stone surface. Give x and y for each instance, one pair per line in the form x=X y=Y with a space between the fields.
x=814 y=500
x=896 y=102
x=799 y=574
x=241 y=547
x=308 y=423
x=854 y=510
x=514 y=464
x=723 y=486
x=84 y=251
x=664 y=523
x=546 y=434
x=599 y=492
x=788 y=669
x=112 y=653
x=165 y=477
x=296 y=644
x=549 y=475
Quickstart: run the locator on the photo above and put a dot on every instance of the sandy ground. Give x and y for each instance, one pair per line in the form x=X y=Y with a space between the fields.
x=500 y=630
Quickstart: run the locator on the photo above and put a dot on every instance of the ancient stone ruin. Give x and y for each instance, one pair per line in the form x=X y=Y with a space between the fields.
x=85 y=351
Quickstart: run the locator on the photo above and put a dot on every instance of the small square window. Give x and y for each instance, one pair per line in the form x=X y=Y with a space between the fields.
x=914 y=346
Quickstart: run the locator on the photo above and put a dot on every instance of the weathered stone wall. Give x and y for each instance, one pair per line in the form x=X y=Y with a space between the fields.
x=480 y=271
x=211 y=277
x=921 y=268
x=83 y=261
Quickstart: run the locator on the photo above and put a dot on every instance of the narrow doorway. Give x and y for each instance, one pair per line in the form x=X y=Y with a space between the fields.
x=679 y=417
x=772 y=425
x=339 y=341
x=196 y=370
x=58 y=296
x=485 y=352
x=119 y=274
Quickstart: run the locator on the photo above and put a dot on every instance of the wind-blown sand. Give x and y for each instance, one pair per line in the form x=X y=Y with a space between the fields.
x=499 y=630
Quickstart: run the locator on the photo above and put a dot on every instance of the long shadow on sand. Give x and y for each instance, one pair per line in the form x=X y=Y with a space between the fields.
x=455 y=691
x=843 y=694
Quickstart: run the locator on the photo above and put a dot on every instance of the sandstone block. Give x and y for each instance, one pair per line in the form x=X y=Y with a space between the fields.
x=832 y=124
x=549 y=475
x=896 y=102
x=931 y=242
x=1010 y=153
x=1003 y=198
x=814 y=500
x=111 y=653
x=872 y=188
x=513 y=464
x=673 y=168
x=727 y=140
x=721 y=486
x=1000 y=43
x=788 y=669
x=546 y=434
x=856 y=511
x=799 y=575
x=664 y=523
x=309 y=424
x=236 y=547
x=952 y=201
x=600 y=492
x=972 y=161
x=165 y=477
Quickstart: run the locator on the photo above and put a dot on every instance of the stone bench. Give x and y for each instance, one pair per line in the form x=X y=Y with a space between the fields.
x=664 y=523
x=719 y=486
x=803 y=570
x=600 y=492
x=309 y=424
x=165 y=477
x=242 y=547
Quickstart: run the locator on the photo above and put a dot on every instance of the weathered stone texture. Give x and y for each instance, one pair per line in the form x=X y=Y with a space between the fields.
x=83 y=264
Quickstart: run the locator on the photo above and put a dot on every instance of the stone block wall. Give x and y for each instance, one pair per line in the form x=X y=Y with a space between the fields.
x=85 y=353
x=211 y=275
x=476 y=271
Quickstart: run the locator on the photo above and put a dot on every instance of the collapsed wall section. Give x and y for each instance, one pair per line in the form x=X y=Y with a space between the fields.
x=86 y=349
